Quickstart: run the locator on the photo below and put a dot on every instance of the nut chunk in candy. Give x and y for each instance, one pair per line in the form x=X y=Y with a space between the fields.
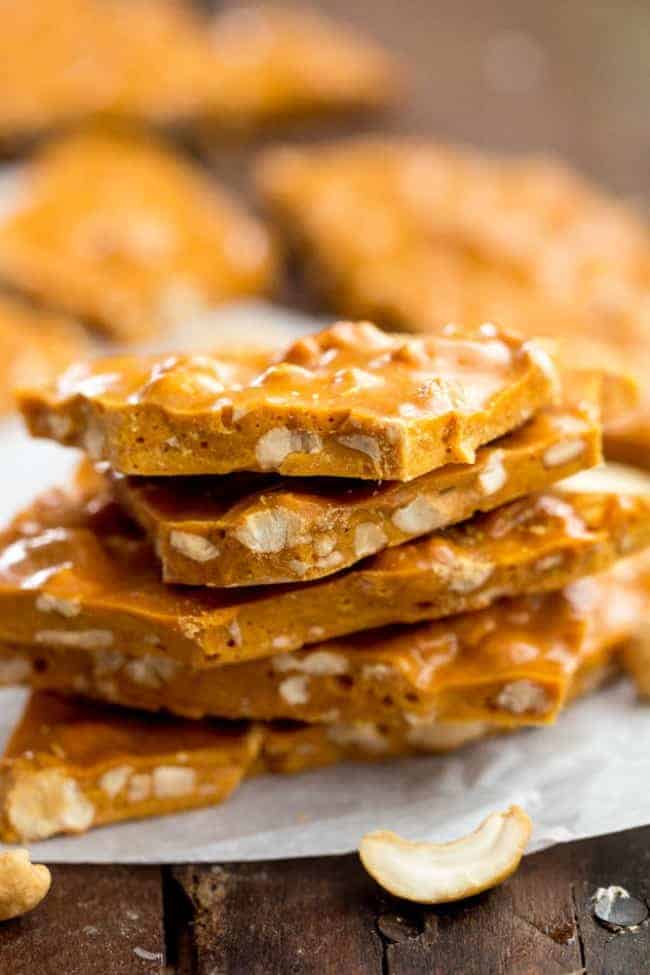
x=137 y=238
x=513 y=663
x=351 y=401
x=436 y=873
x=242 y=530
x=73 y=573
x=295 y=747
x=72 y=764
x=23 y=884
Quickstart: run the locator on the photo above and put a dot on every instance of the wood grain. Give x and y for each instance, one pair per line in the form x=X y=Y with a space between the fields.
x=303 y=917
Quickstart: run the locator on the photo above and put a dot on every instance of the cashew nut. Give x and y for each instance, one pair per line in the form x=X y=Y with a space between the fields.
x=609 y=477
x=23 y=884
x=435 y=873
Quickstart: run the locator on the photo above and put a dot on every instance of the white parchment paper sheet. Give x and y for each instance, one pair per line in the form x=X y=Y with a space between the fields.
x=589 y=774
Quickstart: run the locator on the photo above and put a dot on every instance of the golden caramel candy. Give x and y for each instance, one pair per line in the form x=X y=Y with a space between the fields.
x=456 y=236
x=350 y=401
x=238 y=530
x=68 y=60
x=276 y=64
x=75 y=574
x=452 y=235
x=71 y=765
x=137 y=238
x=291 y=748
x=34 y=347
x=509 y=664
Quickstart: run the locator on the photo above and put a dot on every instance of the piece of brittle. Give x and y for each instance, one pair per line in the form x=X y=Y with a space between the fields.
x=351 y=401
x=74 y=573
x=71 y=765
x=417 y=235
x=35 y=346
x=276 y=64
x=414 y=235
x=251 y=529
x=67 y=61
x=510 y=664
x=137 y=237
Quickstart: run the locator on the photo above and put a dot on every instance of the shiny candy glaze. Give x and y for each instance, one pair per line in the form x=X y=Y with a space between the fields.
x=352 y=401
x=379 y=372
x=87 y=555
x=473 y=666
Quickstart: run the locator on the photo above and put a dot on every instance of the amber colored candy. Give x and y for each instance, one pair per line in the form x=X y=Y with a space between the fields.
x=75 y=573
x=350 y=401
x=126 y=235
x=509 y=664
x=252 y=529
x=414 y=235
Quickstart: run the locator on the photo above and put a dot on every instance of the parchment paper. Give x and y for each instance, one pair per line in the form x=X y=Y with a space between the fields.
x=589 y=774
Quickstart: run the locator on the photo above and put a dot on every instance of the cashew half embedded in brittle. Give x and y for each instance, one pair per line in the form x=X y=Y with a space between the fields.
x=435 y=873
x=23 y=884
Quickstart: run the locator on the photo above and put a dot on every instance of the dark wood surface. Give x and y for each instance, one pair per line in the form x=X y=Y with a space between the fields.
x=567 y=76
x=325 y=916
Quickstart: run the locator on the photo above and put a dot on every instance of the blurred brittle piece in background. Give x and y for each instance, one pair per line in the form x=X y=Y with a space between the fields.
x=128 y=236
x=64 y=61
x=279 y=63
x=163 y=62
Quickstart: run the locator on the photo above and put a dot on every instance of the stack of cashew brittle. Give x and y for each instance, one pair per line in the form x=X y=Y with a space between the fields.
x=354 y=548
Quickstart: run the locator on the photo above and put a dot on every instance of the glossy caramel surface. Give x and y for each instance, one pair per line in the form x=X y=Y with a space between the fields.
x=45 y=789
x=74 y=573
x=84 y=733
x=511 y=663
x=71 y=765
x=349 y=401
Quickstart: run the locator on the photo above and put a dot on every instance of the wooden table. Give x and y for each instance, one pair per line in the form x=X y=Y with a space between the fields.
x=325 y=916
x=569 y=76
